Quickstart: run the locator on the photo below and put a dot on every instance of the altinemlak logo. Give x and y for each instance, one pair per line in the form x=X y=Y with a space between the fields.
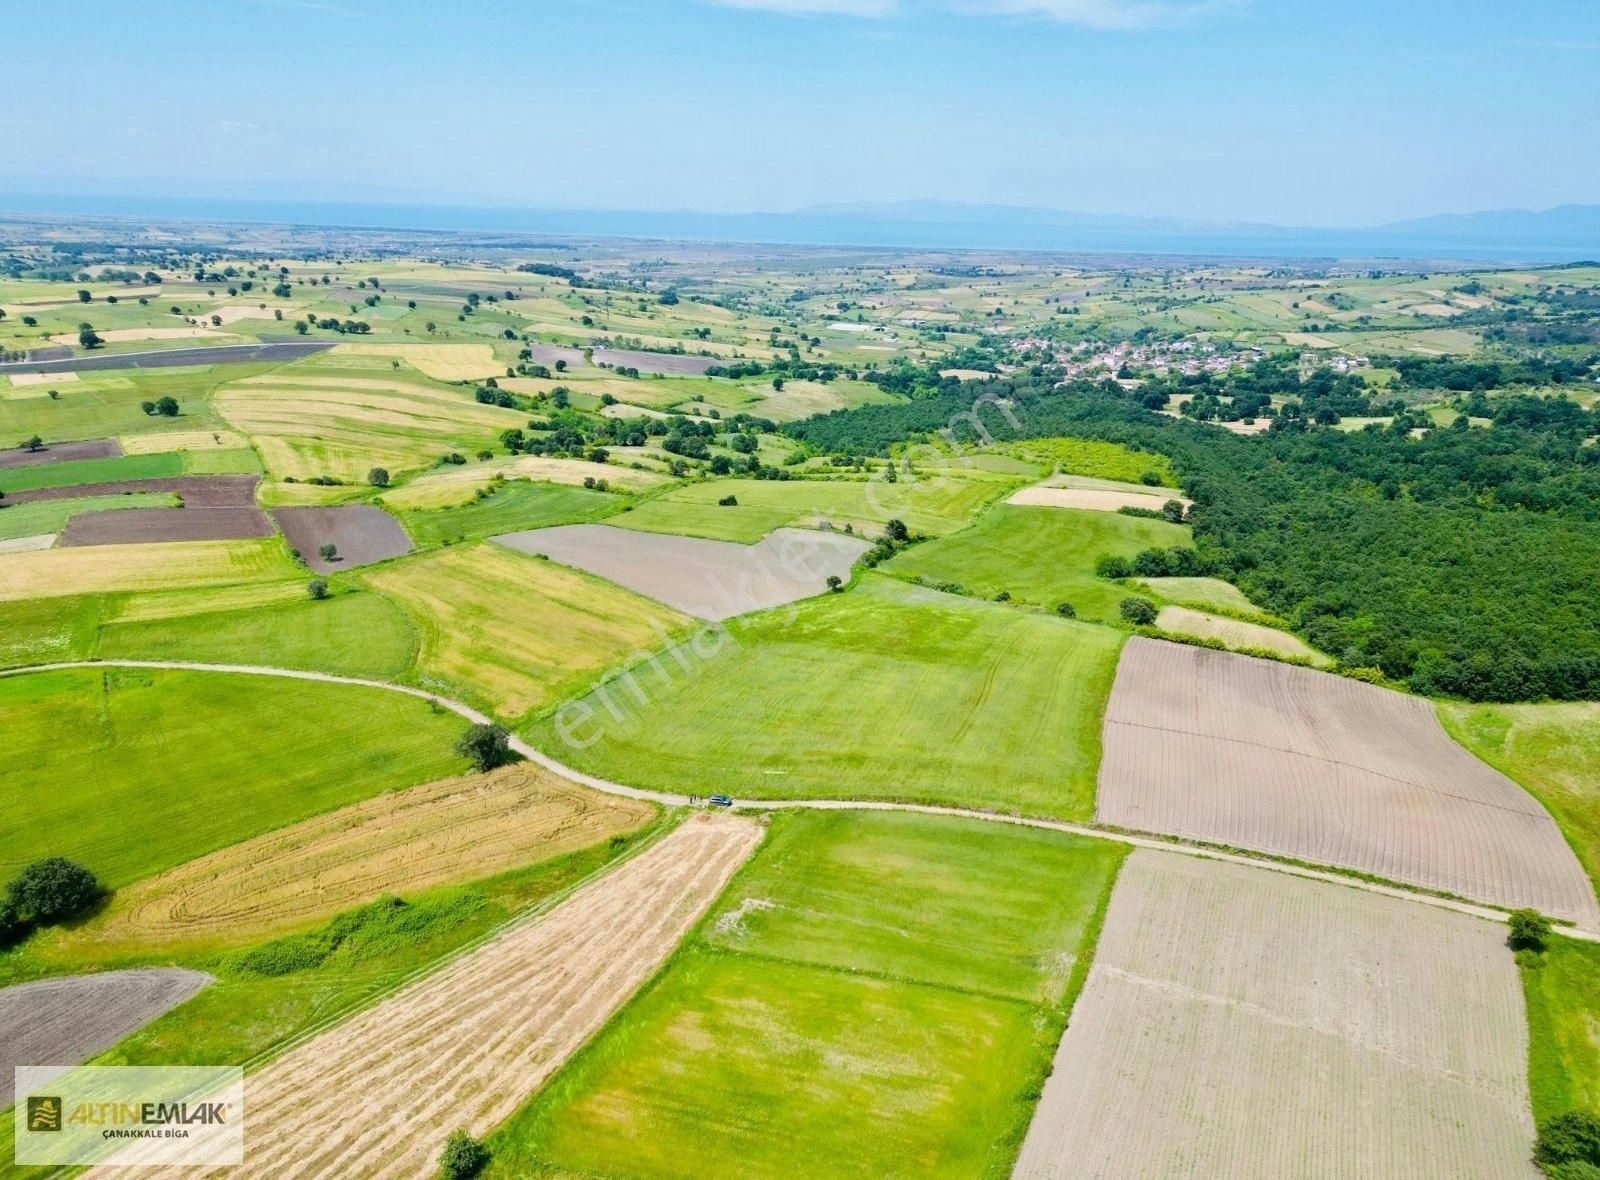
x=44 y=1113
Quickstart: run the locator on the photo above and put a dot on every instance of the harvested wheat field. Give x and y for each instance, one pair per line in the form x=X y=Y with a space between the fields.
x=361 y=533
x=183 y=440
x=1246 y=1024
x=1181 y=620
x=1093 y=499
x=1286 y=760
x=440 y=833
x=105 y=568
x=123 y=335
x=707 y=579
x=21 y=379
x=465 y=1046
x=31 y=544
x=442 y=362
x=68 y=1020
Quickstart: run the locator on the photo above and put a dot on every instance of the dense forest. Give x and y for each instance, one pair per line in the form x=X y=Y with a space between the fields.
x=1465 y=562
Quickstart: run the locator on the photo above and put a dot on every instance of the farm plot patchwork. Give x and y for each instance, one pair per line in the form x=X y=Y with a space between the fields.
x=466 y=1045
x=194 y=761
x=514 y=632
x=454 y=486
x=99 y=448
x=442 y=362
x=991 y=707
x=51 y=516
x=398 y=843
x=876 y=994
x=707 y=579
x=1298 y=763
x=68 y=1020
x=1246 y=1024
x=360 y=533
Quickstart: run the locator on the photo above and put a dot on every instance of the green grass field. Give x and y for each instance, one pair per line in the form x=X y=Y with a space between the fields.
x=874 y=995
x=51 y=516
x=517 y=505
x=352 y=633
x=932 y=506
x=1042 y=556
x=1203 y=593
x=1552 y=750
x=888 y=692
x=1562 y=988
x=160 y=465
x=105 y=405
x=1097 y=460
x=130 y=772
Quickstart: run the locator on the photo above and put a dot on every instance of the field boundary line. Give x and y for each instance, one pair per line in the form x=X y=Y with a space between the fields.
x=668 y=799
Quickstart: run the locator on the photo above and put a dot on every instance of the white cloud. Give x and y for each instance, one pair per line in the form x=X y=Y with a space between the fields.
x=1102 y=14
x=874 y=9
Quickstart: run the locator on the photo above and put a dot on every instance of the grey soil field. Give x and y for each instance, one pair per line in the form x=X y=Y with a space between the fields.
x=68 y=1020
x=99 y=448
x=712 y=580
x=196 y=491
x=1244 y=1024
x=173 y=358
x=1298 y=763
x=362 y=533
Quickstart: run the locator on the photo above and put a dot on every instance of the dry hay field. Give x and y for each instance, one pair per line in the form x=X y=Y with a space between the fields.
x=1181 y=620
x=361 y=533
x=518 y=633
x=19 y=380
x=465 y=1046
x=68 y=1020
x=33 y=544
x=169 y=565
x=1092 y=499
x=1298 y=763
x=344 y=427
x=712 y=580
x=1247 y=1024
x=182 y=440
x=452 y=486
x=402 y=842
x=442 y=362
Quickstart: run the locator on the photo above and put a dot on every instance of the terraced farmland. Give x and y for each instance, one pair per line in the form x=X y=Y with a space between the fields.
x=1220 y=747
x=1238 y=1023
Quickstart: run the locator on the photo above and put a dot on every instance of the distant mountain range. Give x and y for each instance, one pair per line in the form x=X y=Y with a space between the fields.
x=1564 y=234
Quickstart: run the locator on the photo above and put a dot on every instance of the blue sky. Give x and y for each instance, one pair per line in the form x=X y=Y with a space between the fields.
x=1333 y=113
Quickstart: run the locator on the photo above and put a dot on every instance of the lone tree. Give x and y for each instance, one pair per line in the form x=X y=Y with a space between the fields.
x=317 y=588
x=52 y=890
x=1141 y=612
x=896 y=530
x=167 y=407
x=835 y=583
x=34 y=443
x=329 y=552
x=488 y=746
x=1173 y=511
x=463 y=1157
x=88 y=338
x=1570 y=1138
x=1530 y=931
x=378 y=477
x=84 y=296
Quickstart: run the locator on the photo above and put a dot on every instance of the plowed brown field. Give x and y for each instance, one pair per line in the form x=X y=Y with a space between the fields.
x=375 y=1096
x=1285 y=760
x=1239 y=1023
x=436 y=834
